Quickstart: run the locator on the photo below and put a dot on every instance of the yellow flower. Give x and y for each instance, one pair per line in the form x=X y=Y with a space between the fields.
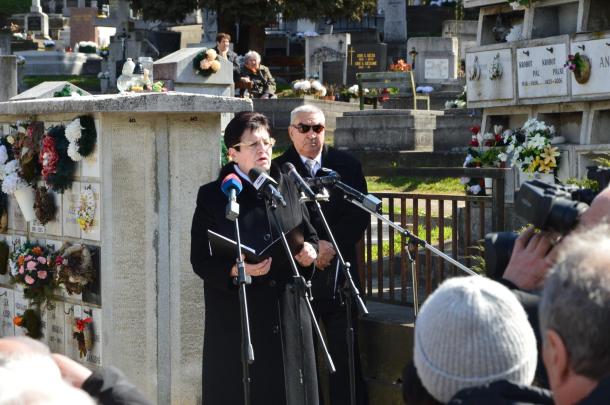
x=549 y=154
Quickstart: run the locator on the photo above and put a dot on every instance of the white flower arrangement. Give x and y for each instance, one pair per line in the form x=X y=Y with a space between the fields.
x=86 y=209
x=11 y=181
x=353 y=90
x=48 y=43
x=535 y=153
x=313 y=87
x=87 y=43
x=73 y=134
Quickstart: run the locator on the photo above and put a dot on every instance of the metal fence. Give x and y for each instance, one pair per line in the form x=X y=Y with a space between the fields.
x=457 y=222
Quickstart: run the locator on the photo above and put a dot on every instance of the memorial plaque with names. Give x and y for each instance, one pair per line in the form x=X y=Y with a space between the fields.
x=365 y=58
x=34 y=23
x=7 y=307
x=598 y=51
x=481 y=87
x=94 y=232
x=436 y=69
x=16 y=220
x=21 y=305
x=540 y=71
x=55 y=328
x=70 y=204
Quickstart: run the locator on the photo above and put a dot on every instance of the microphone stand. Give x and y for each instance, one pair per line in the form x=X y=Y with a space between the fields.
x=247 y=352
x=300 y=286
x=349 y=291
x=412 y=240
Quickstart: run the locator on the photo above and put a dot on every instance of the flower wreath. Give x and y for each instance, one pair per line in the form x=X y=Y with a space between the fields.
x=74 y=267
x=79 y=334
x=32 y=267
x=205 y=62
x=44 y=205
x=57 y=167
x=82 y=136
x=31 y=322
x=86 y=209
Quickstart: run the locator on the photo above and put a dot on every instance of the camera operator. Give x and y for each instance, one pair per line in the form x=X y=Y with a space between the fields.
x=535 y=253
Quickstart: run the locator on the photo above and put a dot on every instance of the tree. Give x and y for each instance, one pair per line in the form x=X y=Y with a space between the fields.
x=10 y=7
x=253 y=15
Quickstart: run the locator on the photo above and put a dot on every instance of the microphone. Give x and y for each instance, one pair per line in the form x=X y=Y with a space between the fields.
x=231 y=186
x=369 y=201
x=291 y=171
x=264 y=184
x=328 y=178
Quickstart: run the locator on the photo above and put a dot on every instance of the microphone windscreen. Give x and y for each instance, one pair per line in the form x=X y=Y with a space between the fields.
x=254 y=173
x=287 y=167
x=229 y=182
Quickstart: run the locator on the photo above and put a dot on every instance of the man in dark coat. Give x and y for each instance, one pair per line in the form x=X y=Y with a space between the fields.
x=283 y=372
x=347 y=222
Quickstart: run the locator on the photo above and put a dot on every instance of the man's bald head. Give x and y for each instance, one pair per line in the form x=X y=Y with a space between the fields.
x=599 y=212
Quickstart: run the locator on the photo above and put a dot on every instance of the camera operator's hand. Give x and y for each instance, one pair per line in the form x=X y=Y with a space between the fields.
x=530 y=260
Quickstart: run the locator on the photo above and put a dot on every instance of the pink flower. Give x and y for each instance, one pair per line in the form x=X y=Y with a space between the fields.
x=28 y=257
x=42 y=274
x=21 y=269
x=29 y=280
x=31 y=265
x=42 y=260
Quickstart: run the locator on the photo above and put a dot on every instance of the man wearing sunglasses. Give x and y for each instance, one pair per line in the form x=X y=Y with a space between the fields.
x=347 y=223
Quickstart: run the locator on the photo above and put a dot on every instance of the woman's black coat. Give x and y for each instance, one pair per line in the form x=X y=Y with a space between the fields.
x=274 y=374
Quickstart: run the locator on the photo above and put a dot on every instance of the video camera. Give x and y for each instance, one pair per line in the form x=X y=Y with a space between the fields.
x=546 y=206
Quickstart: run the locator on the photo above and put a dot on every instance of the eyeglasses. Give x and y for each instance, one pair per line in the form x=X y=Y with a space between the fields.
x=266 y=143
x=304 y=128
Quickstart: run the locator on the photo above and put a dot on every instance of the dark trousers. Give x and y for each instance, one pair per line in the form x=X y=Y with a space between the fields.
x=333 y=318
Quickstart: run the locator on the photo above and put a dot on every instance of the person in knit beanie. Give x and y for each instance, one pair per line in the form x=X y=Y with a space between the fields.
x=471 y=332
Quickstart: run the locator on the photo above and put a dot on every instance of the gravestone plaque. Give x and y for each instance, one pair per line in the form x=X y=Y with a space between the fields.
x=56 y=328
x=21 y=305
x=598 y=53
x=365 y=58
x=333 y=72
x=540 y=71
x=436 y=69
x=480 y=86
x=82 y=27
x=34 y=23
x=7 y=308
x=395 y=20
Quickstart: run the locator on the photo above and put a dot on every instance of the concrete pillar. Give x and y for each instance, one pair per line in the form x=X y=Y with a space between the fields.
x=36 y=6
x=8 y=73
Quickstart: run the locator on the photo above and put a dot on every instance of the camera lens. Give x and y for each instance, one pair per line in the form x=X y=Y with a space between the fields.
x=564 y=215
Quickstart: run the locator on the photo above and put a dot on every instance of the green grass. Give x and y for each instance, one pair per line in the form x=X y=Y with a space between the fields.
x=89 y=83
x=415 y=184
x=434 y=231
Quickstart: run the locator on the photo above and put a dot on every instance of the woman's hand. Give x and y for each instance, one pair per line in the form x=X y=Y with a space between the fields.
x=307 y=255
x=254 y=270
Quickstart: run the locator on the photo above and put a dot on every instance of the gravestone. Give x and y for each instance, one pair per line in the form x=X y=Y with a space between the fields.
x=8 y=73
x=36 y=21
x=540 y=71
x=437 y=59
x=5 y=43
x=365 y=57
x=82 y=25
x=334 y=72
x=325 y=48
x=394 y=28
x=210 y=25
x=46 y=90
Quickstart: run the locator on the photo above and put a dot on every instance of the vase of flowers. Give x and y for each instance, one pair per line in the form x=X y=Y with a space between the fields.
x=532 y=152
x=484 y=150
x=308 y=89
x=32 y=267
x=580 y=65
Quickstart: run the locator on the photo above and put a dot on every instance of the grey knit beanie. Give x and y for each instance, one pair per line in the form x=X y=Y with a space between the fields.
x=472 y=331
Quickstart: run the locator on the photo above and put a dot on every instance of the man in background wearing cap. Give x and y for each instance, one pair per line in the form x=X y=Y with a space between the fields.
x=309 y=154
x=472 y=337
x=575 y=320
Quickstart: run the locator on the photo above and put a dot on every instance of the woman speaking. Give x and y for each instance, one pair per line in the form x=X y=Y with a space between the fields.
x=284 y=367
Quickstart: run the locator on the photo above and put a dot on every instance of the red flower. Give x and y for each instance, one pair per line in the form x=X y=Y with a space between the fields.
x=59 y=260
x=48 y=156
x=475 y=129
x=81 y=323
x=474 y=142
x=498 y=138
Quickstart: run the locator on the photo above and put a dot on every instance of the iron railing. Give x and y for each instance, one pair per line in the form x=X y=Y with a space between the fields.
x=387 y=277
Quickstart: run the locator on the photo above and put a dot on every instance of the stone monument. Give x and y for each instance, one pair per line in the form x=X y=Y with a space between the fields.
x=326 y=48
x=394 y=28
x=8 y=73
x=210 y=25
x=36 y=21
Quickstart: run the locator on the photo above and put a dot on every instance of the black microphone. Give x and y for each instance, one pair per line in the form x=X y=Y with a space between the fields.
x=265 y=185
x=328 y=178
x=231 y=186
x=369 y=201
x=291 y=171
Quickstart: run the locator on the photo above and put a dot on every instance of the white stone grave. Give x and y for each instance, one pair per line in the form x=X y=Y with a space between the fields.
x=540 y=71
x=437 y=59
x=325 y=48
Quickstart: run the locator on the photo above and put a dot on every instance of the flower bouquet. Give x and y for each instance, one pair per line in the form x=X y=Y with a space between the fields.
x=485 y=150
x=57 y=165
x=400 y=66
x=32 y=267
x=531 y=148
x=74 y=268
x=308 y=87
x=580 y=65
x=13 y=183
x=206 y=62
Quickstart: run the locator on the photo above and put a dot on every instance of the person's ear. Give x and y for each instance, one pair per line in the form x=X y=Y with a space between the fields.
x=232 y=154
x=290 y=133
x=556 y=357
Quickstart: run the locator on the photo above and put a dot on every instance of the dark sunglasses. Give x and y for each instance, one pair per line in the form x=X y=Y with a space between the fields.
x=304 y=128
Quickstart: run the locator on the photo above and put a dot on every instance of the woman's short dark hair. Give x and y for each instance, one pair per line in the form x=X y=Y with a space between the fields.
x=221 y=35
x=240 y=123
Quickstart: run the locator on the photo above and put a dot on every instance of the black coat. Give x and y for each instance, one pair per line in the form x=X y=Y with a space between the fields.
x=347 y=222
x=109 y=386
x=233 y=58
x=271 y=309
x=503 y=393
